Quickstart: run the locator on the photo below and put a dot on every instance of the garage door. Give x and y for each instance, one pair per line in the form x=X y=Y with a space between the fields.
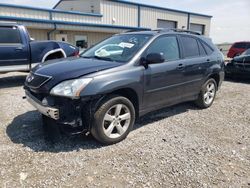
x=197 y=28
x=166 y=24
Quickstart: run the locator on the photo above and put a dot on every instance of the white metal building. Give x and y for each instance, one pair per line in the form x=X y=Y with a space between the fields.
x=86 y=22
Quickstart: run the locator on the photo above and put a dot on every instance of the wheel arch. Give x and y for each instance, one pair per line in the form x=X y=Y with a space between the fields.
x=128 y=93
x=51 y=52
x=216 y=77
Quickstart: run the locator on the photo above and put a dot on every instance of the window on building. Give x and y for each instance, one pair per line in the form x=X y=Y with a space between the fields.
x=167 y=46
x=81 y=41
x=190 y=47
x=9 y=35
x=197 y=28
x=166 y=24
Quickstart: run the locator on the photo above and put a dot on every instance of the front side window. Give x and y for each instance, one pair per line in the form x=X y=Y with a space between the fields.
x=167 y=46
x=9 y=35
x=190 y=47
x=120 y=48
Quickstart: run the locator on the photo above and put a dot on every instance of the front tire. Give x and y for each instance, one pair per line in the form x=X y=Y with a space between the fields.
x=207 y=94
x=113 y=120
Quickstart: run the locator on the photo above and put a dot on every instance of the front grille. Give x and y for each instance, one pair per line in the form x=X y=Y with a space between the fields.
x=36 y=80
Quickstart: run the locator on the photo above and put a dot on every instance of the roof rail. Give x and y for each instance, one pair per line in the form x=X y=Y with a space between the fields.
x=177 y=30
x=136 y=30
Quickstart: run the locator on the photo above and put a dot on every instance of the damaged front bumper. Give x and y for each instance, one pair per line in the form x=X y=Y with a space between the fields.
x=69 y=113
x=45 y=110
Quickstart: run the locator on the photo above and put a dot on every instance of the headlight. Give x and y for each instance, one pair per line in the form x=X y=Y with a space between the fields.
x=70 y=88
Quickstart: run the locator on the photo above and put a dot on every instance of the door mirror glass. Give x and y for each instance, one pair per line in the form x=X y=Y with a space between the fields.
x=155 y=58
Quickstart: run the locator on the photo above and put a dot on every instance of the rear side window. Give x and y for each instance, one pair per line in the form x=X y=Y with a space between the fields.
x=190 y=47
x=167 y=45
x=240 y=45
x=9 y=35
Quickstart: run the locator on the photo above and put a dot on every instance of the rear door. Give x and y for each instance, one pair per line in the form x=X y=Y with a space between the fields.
x=13 y=53
x=196 y=63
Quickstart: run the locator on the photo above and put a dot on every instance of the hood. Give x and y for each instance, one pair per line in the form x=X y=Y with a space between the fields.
x=65 y=69
x=73 y=67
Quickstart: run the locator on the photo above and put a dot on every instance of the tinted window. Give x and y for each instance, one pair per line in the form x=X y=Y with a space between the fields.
x=168 y=46
x=239 y=45
x=190 y=47
x=208 y=49
x=202 y=50
x=9 y=35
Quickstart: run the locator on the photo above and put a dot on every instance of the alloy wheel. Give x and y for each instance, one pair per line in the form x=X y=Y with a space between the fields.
x=209 y=93
x=116 y=121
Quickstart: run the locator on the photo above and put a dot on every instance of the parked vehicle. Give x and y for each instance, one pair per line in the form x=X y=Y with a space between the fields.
x=237 y=49
x=18 y=52
x=104 y=95
x=239 y=65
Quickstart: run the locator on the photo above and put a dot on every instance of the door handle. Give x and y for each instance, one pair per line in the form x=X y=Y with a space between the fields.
x=19 y=48
x=180 y=67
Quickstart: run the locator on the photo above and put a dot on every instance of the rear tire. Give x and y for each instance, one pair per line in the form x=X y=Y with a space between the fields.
x=113 y=120
x=207 y=94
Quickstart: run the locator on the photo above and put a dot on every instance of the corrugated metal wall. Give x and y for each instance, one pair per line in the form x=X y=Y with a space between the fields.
x=23 y=13
x=76 y=18
x=38 y=34
x=93 y=37
x=90 y=6
x=149 y=17
x=115 y=13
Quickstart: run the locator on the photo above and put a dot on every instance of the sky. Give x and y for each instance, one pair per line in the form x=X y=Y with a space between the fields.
x=230 y=22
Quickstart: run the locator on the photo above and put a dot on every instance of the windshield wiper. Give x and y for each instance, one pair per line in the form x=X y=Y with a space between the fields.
x=98 y=57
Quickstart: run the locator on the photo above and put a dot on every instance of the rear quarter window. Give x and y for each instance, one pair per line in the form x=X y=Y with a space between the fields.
x=209 y=50
x=9 y=35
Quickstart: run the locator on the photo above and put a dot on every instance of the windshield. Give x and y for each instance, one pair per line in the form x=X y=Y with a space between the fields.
x=120 y=48
x=247 y=52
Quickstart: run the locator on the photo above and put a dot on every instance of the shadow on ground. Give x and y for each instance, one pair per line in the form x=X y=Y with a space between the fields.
x=12 y=81
x=27 y=129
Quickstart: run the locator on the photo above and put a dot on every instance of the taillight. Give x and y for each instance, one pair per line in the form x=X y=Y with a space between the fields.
x=77 y=53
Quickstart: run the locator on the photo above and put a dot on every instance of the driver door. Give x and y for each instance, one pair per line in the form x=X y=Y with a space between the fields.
x=163 y=81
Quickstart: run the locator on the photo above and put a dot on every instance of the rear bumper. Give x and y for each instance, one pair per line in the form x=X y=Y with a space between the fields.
x=45 y=110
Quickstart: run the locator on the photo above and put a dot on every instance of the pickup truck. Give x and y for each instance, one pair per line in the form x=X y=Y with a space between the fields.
x=19 y=52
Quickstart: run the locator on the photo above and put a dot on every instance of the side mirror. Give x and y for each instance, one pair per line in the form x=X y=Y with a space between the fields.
x=155 y=58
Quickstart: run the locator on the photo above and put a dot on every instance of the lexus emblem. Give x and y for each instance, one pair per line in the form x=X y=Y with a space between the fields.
x=30 y=78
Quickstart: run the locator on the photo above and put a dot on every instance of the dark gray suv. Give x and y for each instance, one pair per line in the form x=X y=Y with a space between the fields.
x=124 y=77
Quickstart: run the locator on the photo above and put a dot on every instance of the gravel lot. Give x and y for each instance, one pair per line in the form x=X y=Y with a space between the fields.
x=180 y=146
